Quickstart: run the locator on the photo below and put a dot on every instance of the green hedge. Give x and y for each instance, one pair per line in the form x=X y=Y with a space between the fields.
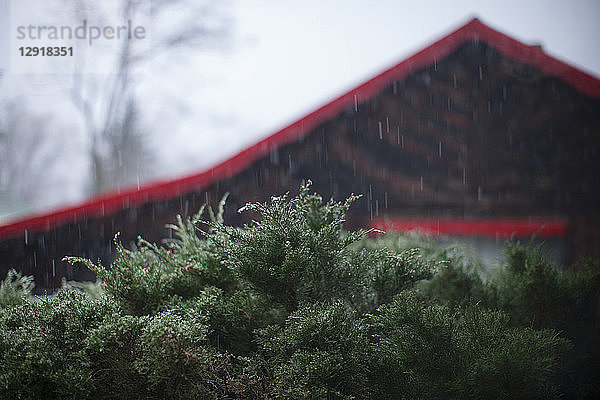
x=291 y=306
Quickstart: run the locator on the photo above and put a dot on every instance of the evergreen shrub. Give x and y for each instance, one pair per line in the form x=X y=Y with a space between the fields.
x=292 y=306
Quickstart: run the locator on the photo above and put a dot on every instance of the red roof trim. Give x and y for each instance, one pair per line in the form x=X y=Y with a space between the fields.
x=494 y=228
x=474 y=30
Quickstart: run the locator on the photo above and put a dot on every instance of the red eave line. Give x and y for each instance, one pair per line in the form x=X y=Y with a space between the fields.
x=475 y=30
x=535 y=56
x=492 y=227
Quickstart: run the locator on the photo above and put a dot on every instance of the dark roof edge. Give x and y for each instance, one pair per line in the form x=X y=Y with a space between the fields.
x=110 y=203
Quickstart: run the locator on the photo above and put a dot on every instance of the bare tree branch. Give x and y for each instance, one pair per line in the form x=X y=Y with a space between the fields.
x=108 y=108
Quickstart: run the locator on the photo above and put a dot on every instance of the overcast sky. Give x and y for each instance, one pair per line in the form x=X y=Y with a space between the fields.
x=288 y=57
x=295 y=55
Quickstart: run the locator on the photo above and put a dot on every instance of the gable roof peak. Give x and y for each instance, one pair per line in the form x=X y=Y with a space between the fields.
x=474 y=30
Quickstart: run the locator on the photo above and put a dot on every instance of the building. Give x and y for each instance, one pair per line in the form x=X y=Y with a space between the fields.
x=477 y=134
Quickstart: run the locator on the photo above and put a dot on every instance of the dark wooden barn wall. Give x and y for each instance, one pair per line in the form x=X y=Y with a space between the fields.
x=473 y=135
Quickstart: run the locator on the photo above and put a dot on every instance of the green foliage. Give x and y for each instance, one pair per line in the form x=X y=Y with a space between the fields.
x=15 y=289
x=524 y=284
x=41 y=347
x=395 y=272
x=448 y=274
x=427 y=352
x=404 y=331
x=321 y=351
x=409 y=350
x=95 y=290
x=291 y=306
x=296 y=252
x=144 y=279
x=173 y=358
x=72 y=346
x=536 y=294
x=457 y=281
